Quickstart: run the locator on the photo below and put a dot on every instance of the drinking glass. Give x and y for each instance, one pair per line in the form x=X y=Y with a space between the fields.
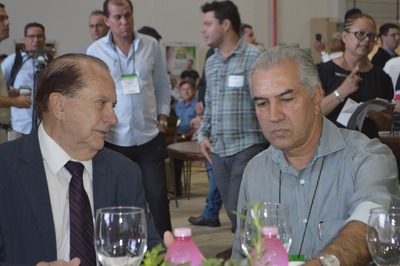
x=120 y=236
x=383 y=235
x=258 y=215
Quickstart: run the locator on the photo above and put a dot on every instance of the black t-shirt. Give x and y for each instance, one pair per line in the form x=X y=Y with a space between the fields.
x=375 y=84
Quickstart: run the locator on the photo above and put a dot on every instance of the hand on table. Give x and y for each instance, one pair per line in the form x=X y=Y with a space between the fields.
x=73 y=262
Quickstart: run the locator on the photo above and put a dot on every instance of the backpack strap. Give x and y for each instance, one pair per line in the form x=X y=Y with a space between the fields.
x=15 y=68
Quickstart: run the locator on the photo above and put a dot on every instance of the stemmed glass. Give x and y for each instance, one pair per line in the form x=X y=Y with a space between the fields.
x=120 y=236
x=258 y=215
x=383 y=235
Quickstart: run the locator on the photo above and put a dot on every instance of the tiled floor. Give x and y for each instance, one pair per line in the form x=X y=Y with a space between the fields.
x=210 y=240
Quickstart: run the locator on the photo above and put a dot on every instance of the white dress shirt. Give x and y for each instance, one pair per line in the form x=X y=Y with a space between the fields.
x=58 y=177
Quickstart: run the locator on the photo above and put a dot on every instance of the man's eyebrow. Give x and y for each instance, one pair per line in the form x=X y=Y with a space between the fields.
x=287 y=91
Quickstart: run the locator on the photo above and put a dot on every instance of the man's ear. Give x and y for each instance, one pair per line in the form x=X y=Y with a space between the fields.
x=106 y=21
x=56 y=105
x=317 y=97
x=226 y=23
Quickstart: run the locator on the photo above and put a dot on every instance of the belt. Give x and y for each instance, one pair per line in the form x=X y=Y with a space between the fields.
x=5 y=126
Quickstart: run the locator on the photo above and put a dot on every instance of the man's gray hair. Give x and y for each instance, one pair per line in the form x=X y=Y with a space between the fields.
x=278 y=55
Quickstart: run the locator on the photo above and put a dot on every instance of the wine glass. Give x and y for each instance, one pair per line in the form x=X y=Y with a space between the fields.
x=120 y=236
x=383 y=235
x=258 y=215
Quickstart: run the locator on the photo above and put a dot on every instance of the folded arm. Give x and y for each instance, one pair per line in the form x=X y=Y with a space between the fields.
x=349 y=246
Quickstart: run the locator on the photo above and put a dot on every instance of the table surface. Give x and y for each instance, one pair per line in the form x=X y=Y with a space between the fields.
x=187 y=150
x=392 y=139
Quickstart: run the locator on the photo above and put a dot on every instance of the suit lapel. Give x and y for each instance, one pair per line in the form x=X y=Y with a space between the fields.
x=100 y=183
x=34 y=184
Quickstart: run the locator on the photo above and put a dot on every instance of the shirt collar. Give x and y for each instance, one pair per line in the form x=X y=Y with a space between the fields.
x=136 y=41
x=54 y=155
x=391 y=53
x=330 y=141
x=239 y=48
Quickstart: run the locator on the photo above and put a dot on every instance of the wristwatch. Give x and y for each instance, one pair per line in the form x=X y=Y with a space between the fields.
x=163 y=123
x=327 y=259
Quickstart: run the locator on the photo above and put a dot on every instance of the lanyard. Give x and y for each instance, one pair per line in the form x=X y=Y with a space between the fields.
x=311 y=205
x=119 y=62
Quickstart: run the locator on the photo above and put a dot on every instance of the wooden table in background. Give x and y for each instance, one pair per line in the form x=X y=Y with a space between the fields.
x=188 y=152
x=392 y=139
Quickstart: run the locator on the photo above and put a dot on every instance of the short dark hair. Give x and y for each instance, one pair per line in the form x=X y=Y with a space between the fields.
x=224 y=10
x=97 y=12
x=351 y=12
x=2 y=6
x=352 y=16
x=384 y=29
x=65 y=74
x=243 y=28
x=115 y=2
x=189 y=81
x=151 y=32
x=33 y=25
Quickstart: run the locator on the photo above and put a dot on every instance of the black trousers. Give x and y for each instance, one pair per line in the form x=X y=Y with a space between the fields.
x=151 y=159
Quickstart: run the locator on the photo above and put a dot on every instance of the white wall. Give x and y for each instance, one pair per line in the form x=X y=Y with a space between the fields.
x=176 y=20
x=294 y=18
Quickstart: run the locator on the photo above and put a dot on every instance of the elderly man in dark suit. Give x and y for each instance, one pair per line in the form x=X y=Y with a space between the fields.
x=75 y=100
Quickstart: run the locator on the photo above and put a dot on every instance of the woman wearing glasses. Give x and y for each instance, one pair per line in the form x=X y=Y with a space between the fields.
x=353 y=75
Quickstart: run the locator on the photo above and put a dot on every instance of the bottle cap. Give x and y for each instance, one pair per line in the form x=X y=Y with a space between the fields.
x=182 y=232
x=269 y=231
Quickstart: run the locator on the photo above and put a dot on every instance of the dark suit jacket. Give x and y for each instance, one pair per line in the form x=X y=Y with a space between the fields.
x=381 y=57
x=27 y=233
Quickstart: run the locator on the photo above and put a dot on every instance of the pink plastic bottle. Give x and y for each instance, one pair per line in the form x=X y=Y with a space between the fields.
x=276 y=254
x=183 y=249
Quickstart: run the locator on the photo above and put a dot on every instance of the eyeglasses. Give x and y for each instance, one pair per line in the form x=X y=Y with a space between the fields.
x=361 y=35
x=39 y=36
x=393 y=35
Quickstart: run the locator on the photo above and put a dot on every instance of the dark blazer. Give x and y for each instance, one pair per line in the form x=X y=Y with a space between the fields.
x=27 y=233
x=381 y=57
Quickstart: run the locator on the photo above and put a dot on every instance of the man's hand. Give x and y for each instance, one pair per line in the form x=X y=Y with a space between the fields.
x=22 y=101
x=168 y=239
x=73 y=262
x=319 y=46
x=205 y=147
x=161 y=128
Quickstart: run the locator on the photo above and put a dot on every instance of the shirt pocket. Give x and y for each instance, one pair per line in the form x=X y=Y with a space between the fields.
x=328 y=230
x=144 y=69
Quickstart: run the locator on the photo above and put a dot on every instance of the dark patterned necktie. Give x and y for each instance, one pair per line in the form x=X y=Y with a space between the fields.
x=81 y=221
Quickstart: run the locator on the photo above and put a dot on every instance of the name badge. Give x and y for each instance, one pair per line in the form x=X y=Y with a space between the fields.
x=130 y=84
x=235 y=81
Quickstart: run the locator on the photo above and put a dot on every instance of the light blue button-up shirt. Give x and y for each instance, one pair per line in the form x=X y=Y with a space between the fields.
x=137 y=113
x=21 y=118
x=355 y=174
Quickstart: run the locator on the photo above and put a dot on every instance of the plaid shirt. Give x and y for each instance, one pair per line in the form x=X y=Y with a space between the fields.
x=229 y=117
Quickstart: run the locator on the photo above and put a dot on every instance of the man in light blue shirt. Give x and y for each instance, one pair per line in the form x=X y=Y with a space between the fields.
x=23 y=120
x=329 y=177
x=137 y=67
x=7 y=99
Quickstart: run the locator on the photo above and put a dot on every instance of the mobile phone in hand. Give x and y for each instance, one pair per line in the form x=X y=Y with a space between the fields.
x=318 y=37
x=25 y=90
